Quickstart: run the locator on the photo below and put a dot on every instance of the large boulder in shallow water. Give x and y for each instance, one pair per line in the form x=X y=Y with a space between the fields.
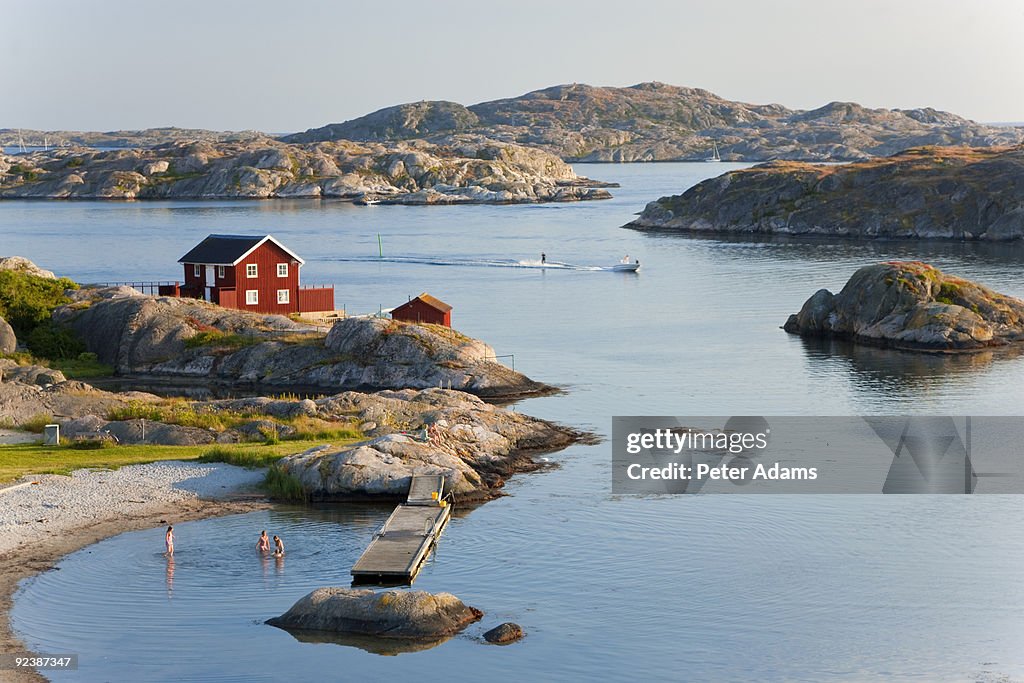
x=390 y=614
x=912 y=306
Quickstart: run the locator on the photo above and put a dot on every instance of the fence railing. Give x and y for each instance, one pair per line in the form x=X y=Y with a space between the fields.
x=324 y=319
x=507 y=355
x=146 y=287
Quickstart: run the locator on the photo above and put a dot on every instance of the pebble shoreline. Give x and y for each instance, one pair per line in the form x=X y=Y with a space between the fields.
x=60 y=504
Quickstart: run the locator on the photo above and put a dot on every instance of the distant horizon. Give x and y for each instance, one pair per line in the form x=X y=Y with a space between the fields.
x=470 y=104
x=234 y=65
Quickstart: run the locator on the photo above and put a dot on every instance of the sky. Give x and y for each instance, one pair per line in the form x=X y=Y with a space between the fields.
x=285 y=66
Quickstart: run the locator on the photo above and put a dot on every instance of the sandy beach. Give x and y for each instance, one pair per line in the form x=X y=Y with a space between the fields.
x=46 y=517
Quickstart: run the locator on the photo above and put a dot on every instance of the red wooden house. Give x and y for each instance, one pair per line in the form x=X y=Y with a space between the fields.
x=424 y=309
x=250 y=273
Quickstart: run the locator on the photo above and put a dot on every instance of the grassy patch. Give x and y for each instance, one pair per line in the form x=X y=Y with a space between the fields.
x=949 y=294
x=36 y=423
x=173 y=175
x=178 y=413
x=314 y=429
x=137 y=410
x=283 y=486
x=220 y=339
x=19 y=460
x=20 y=357
x=28 y=174
x=90 y=444
x=252 y=458
x=302 y=338
x=83 y=366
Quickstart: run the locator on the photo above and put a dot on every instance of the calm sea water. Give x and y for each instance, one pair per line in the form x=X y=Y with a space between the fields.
x=707 y=587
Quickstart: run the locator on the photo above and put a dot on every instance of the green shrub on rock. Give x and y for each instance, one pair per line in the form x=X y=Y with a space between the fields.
x=28 y=300
x=49 y=340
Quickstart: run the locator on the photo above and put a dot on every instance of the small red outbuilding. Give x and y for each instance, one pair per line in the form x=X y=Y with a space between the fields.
x=424 y=309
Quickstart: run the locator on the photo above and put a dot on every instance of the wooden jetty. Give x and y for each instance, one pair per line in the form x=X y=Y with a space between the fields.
x=398 y=549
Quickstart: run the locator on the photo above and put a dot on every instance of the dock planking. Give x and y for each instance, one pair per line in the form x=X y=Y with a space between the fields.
x=398 y=549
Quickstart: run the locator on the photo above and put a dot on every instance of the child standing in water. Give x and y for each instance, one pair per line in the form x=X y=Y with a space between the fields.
x=169 y=541
x=278 y=547
x=263 y=545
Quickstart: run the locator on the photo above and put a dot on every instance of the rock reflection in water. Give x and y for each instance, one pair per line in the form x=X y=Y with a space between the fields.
x=373 y=644
x=901 y=373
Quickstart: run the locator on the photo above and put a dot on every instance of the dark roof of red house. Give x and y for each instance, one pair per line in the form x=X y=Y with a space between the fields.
x=228 y=250
x=433 y=302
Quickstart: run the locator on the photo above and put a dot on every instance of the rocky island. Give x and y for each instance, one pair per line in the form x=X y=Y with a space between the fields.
x=188 y=342
x=912 y=306
x=574 y=122
x=452 y=170
x=660 y=122
x=955 y=193
x=16 y=138
x=388 y=614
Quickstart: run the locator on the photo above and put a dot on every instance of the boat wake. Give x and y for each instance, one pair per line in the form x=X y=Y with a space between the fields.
x=472 y=263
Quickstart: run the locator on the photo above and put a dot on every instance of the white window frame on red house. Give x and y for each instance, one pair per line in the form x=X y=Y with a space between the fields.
x=283 y=296
x=282 y=270
x=252 y=297
x=251 y=271
x=197 y=270
x=220 y=272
